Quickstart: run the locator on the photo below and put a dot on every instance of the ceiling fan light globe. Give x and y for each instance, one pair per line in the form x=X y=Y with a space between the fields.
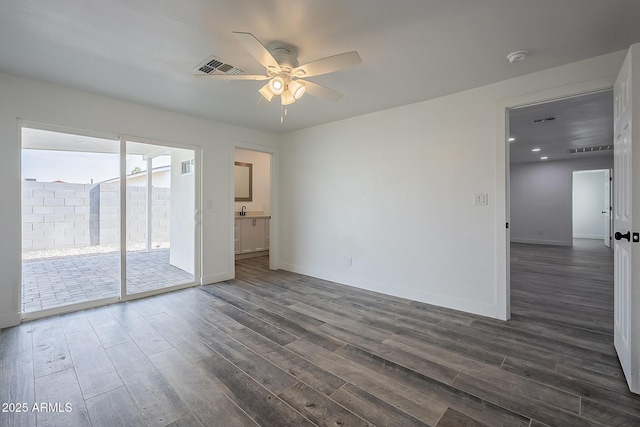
x=297 y=89
x=265 y=91
x=276 y=85
x=287 y=98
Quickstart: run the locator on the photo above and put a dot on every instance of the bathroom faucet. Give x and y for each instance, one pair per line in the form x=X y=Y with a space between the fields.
x=243 y=211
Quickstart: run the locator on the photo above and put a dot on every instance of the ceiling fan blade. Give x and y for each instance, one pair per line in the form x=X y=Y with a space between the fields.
x=257 y=50
x=233 y=76
x=320 y=91
x=327 y=65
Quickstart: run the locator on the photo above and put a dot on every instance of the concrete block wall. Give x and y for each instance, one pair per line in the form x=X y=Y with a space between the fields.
x=137 y=216
x=55 y=214
x=65 y=215
x=160 y=214
x=108 y=201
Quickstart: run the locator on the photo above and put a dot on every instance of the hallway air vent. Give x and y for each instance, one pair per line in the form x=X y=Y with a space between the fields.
x=546 y=119
x=213 y=65
x=592 y=149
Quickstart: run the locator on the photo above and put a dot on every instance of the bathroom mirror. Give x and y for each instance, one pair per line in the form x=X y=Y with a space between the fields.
x=244 y=181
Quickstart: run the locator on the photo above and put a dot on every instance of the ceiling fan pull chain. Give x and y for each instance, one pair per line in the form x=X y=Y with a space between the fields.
x=283 y=112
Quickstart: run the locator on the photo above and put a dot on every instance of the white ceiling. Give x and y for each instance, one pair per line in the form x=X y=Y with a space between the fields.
x=412 y=50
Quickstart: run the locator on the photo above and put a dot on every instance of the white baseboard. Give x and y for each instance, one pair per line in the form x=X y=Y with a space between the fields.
x=588 y=236
x=445 y=301
x=542 y=242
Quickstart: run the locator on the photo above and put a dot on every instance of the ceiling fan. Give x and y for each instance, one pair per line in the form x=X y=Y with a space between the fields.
x=283 y=73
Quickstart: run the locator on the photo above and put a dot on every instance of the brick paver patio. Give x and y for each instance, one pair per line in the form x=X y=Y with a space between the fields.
x=49 y=283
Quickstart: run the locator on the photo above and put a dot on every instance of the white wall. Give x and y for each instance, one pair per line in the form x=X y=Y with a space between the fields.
x=541 y=200
x=588 y=204
x=42 y=102
x=393 y=190
x=261 y=180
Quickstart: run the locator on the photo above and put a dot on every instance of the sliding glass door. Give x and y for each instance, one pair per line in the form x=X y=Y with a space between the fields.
x=82 y=196
x=70 y=220
x=160 y=197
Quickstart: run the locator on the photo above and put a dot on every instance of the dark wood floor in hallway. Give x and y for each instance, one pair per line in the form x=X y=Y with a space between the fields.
x=274 y=348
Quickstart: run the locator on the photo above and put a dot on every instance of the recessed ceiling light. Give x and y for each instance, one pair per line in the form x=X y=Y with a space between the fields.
x=543 y=158
x=535 y=150
x=512 y=139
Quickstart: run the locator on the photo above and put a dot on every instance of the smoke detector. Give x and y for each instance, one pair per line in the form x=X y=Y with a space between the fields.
x=517 y=56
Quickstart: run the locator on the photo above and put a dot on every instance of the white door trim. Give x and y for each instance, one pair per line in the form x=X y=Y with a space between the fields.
x=502 y=290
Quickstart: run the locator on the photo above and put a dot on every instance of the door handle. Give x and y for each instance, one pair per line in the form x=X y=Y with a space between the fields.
x=620 y=236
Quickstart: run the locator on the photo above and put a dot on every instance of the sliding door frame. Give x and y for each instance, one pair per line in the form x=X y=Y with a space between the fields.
x=197 y=215
x=122 y=140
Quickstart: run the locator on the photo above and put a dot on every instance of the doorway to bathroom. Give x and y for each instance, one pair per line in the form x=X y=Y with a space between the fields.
x=252 y=211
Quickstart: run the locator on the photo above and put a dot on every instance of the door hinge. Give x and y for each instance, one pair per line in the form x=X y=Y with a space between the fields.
x=507 y=225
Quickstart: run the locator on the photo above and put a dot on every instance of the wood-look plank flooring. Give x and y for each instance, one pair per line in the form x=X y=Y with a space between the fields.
x=274 y=348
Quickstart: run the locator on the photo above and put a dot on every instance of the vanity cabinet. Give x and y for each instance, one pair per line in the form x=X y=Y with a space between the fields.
x=251 y=235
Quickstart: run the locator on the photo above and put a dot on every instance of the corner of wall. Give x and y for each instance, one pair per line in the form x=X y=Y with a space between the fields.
x=9 y=320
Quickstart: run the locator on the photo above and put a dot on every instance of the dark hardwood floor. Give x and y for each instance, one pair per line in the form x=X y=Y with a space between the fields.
x=277 y=348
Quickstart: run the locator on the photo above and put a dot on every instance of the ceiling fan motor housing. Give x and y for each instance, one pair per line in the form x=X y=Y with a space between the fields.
x=285 y=59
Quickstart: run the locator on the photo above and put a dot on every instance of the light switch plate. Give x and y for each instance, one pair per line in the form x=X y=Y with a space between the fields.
x=480 y=199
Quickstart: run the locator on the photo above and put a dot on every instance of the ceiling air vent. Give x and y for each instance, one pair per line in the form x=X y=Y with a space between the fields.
x=592 y=149
x=213 y=65
x=546 y=119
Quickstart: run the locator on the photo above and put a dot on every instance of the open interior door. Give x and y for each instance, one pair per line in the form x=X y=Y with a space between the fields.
x=626 y=207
